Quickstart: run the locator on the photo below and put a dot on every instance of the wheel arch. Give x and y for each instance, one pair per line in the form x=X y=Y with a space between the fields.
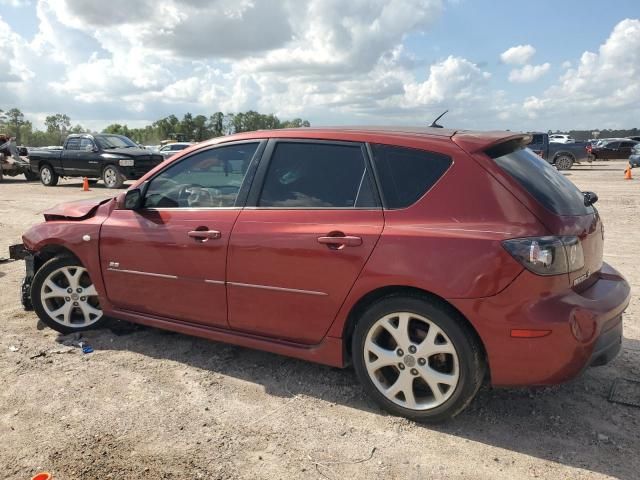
x=397 y=291
x=563 y=153
x=50 y=251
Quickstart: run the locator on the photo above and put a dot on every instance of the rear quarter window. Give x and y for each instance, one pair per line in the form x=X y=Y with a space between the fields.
x=543 y=182
x=406 y=174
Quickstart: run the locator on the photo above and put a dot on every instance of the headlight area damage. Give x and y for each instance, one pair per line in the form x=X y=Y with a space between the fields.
x=60 y=220
x=20 y=252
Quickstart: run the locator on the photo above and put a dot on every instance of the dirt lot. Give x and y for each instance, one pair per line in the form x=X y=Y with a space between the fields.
x=150 y=404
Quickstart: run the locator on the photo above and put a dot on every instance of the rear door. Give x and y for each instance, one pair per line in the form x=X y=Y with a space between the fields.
x=624 y=150
x=311 y=222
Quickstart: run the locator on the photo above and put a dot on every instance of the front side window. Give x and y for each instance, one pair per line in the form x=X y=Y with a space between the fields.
x=317 y=175
x=208 y=179
x=406 y=174
x=86 y=144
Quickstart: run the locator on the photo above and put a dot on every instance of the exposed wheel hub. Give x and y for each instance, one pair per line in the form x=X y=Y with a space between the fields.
x=409 y=361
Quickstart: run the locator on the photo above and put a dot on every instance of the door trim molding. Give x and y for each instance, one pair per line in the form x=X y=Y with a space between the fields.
x=277 y=289
x=147 y=274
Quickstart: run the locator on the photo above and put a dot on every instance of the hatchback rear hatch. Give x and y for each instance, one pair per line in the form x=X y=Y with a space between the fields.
x=573 y=223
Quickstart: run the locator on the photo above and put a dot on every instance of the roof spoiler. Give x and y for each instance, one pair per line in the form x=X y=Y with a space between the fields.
x=508 y=146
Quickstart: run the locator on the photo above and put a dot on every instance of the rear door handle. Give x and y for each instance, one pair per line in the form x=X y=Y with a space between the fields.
x=348 y=241
x=205 y=234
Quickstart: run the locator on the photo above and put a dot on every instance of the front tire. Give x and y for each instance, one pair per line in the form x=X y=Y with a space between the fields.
x=417 y=358
x=112 y=177
x=48 y=176
x=64 y=296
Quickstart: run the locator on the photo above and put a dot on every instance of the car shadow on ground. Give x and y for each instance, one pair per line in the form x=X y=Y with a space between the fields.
x=572 y=424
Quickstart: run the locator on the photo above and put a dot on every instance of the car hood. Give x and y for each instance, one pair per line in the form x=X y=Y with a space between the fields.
x=78 y=210
x=130 y=152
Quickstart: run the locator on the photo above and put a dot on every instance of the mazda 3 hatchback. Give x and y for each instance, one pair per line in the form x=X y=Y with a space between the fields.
x=431 y=260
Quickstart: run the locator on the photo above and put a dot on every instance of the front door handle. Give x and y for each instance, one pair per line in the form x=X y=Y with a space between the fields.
x=341 y=241
x=205 y=234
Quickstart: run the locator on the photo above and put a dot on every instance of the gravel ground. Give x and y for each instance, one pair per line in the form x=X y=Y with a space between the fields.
x=149 y=404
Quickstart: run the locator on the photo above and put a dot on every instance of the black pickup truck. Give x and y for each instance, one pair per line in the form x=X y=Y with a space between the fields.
x=562 y=155
x=112 y=158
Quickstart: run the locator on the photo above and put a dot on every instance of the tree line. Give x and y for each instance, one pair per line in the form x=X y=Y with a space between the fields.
x=189 y=128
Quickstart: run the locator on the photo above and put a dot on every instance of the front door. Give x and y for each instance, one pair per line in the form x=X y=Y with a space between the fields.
x=168 y=259
x=295 y=254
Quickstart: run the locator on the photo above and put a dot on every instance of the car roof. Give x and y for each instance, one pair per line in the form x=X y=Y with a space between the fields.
x=469 y=140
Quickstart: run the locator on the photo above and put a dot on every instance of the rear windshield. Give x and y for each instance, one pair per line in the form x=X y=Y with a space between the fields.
x=546 y=184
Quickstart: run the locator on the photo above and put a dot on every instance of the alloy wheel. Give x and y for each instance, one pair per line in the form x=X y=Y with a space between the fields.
x=70 y=298
x=411 y=361
x=45 y=175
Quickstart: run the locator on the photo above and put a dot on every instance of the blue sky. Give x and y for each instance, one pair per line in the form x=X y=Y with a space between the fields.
x=365 y=61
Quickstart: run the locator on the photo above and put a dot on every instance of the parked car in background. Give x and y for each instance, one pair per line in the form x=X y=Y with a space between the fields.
x=611 y=149
x=113 y=158
x=556 y=138
x=562 y=155
x=432 y=260
x=634 y=158
x=171 y=149
x=635 y=138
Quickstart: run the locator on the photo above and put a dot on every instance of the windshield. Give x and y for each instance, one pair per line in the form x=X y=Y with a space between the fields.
x=114 y=141
x=546 y=184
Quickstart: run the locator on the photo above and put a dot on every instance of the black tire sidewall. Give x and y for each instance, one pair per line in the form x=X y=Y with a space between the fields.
x=470 y=360
x=119 y=177
x=36 y=289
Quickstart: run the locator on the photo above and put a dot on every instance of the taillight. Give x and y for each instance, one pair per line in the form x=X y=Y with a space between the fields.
x=588 y=148
x=547 y=255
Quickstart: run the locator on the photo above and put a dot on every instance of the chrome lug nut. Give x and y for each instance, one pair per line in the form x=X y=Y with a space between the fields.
x=67 y=299
x=79 y=290
x=400 y=352
x=401 y=366
x=69 y=290
x=412 y=349
x=414 y=371
x=83 y=299
x=75 y=304
x=422 y=361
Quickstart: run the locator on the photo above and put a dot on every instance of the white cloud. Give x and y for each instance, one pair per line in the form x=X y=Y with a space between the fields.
x=528 y=73
x=518 y=55
x=603 y=89
x=15 y=3
x=331 y=62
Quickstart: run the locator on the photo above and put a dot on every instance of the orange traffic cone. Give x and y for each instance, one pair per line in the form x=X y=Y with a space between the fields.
x=627 y=173
x=42 y=476
x=85 y=184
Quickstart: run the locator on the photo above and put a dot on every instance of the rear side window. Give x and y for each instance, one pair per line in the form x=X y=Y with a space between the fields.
x=316 y=175
x=546 y=184
x=406 y=174
x=73 y=144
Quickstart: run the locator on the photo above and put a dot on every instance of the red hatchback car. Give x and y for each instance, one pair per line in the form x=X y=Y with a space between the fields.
x=430 y=259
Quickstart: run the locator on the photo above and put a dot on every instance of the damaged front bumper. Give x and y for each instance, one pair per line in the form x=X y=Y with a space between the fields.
x=20 y=252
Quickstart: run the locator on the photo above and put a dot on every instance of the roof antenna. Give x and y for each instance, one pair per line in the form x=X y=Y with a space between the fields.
x=434 y=124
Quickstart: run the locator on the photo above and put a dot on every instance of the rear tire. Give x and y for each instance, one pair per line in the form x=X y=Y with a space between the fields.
x=112 y=177
x=417 y=358
x=64 y=297
x=48 y=177
x=564 y=162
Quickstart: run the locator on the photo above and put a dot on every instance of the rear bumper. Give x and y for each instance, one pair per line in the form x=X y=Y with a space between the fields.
x=585 y=328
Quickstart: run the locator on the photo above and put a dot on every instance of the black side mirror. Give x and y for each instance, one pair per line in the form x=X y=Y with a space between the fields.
x=590 y=198
x=133 y=199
